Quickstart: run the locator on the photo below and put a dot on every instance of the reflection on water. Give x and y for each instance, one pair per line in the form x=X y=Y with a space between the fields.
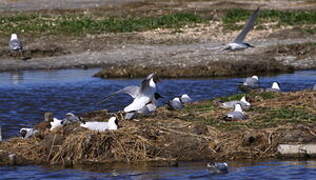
x=16 y=77
x=25 y=96
x=195 y=170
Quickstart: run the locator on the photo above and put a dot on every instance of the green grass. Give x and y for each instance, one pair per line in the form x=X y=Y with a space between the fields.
x=282 y=17
x=71 y=24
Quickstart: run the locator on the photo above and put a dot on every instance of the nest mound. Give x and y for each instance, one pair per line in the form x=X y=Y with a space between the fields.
x=195 y=133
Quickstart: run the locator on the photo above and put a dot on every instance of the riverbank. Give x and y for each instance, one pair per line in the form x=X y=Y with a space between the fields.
x=126 y=37
x=194 y=133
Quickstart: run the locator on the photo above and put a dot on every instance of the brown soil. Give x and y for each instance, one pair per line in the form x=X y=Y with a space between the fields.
x=195 y=47
x=194 y=133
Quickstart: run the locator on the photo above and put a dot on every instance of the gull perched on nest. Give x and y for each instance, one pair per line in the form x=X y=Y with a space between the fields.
x=70 y=118
x=274 y=88
x=231 y=104
x=27 y=132
x=177 y=103
x=112 y=124
x=238 y=43
x=143 y=94
x=236 y=115
x=146 y=110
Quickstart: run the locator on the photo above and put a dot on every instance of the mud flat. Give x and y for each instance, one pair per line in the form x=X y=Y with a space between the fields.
x=195 y=133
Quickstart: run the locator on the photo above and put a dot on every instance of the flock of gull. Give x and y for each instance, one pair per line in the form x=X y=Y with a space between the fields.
x=145 y=96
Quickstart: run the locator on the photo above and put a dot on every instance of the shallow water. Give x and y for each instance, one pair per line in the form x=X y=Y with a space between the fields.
x=25 y=96
x=197 y=170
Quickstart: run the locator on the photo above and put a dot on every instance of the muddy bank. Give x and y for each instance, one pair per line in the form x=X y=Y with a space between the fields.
x=193 y=60
x=197 y=132
x=210 y=69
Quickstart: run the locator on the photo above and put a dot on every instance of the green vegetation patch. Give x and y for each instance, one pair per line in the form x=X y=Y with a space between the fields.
x=71 y=24
x=282 y=17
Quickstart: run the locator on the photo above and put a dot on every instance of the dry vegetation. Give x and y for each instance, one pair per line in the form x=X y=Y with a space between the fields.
x=194 y=133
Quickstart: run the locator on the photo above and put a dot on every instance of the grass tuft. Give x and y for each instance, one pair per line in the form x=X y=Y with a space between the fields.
x=71 y=24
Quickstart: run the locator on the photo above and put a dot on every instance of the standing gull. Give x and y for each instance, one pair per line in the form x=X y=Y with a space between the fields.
x=142 y=94
x=314 y=88
x=15 y=44
x=239 y=43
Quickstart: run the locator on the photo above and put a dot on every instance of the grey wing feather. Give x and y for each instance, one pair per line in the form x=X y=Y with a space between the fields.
x=130 y=90
x=144 y=85
x=249 y=25
x=314 y=88
x=16 y=45
x=145 y=82
x=175 y=105
x=236 y=115
x=229 y=104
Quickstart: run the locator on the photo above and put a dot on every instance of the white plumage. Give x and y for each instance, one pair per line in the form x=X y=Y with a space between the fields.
x=101 y=126
x=27 y=132
x=55 y=123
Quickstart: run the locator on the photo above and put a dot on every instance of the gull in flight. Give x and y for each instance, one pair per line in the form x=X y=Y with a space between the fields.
x=112 y=124
x=238 y=43
x=236 y=115
x=143 y=94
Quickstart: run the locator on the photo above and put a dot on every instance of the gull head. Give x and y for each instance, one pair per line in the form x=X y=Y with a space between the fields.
x=154 y=77
x=276 y=85
x=23 y=132
x=176 y=99
x=238 y=108
x=14 y=36
x=255 y=77
x=157 y=95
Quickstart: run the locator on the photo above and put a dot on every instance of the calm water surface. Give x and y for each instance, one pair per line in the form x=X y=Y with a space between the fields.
x=237 y=170
x=25 y=96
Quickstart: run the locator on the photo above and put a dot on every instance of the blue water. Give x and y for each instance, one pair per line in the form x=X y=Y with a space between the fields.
x=25 y=96
x=195 y=170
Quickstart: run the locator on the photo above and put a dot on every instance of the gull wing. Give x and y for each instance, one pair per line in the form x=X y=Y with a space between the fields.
x=130 y=90
x=145 y=82
x=249 y=25
x=15 y=45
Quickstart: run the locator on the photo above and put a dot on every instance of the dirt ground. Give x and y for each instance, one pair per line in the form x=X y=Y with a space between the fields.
x=190 y=47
